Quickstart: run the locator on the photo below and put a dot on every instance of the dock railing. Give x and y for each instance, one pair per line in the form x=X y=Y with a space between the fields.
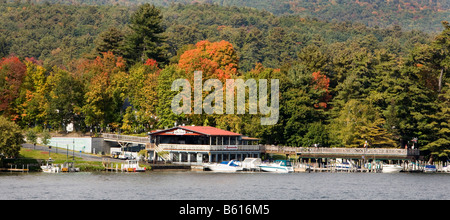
x=125 y=138
x=188 y=147
x=324 y=151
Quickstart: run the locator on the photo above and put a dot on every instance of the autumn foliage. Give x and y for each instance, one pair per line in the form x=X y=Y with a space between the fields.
x=12 y=73
x=321 y=83
x=107 y=88
x=216 y=60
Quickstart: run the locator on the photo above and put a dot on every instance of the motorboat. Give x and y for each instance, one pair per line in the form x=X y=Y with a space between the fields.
x=430 y=169
x=251 y=163
x=415 y=167
x=132 y=166
x=278 y=166
x=69 y=167
x=340 y=165
x=50 y=168
x=343 y=166
x=446 y=169
x=225 y=166
x=391 y=168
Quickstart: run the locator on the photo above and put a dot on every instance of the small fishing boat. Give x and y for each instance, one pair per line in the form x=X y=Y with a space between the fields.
x=69 y=167
x=391 y=168
x=50 y=168
x=132 y=166
x=278 y=166
x=225 y=166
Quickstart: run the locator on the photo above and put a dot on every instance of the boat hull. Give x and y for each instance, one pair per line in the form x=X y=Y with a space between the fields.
x=132 y=166
x=279 y=166
x=50 y=169
x=391 y=169
x=274 y=169
x=220 y=169
x=227 y=169
x=225 y=166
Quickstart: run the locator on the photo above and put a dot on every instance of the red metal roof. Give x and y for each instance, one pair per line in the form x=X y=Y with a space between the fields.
x=210 y=130
x=205 y=130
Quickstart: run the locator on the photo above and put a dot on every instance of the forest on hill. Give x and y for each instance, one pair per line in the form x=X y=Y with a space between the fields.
x=111 y=68
x=425 y=15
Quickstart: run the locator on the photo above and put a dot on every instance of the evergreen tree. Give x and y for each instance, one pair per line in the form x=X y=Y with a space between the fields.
x=442 y=46
x=440 y=147
x=146 y=40
x=110 y=40
x=166 y=117
x=359 y=122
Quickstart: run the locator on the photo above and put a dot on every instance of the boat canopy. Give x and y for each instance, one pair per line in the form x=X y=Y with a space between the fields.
x=232 y=163
x=283 y=162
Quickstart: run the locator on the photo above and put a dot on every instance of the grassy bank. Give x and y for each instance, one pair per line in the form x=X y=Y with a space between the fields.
x=34 y=158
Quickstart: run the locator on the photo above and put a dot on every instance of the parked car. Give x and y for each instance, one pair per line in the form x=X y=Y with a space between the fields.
x=126 y=157
x=115 y=155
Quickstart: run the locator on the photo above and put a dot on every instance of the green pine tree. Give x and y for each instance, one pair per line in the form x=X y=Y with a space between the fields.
x=146 y=40
x=110 y=40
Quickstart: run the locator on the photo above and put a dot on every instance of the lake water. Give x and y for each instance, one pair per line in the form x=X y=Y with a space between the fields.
x=221 y=186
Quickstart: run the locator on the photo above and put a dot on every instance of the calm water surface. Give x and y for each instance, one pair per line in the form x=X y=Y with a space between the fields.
x=218 y=186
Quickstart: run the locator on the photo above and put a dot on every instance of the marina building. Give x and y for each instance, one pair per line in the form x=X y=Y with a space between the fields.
x=200 y=144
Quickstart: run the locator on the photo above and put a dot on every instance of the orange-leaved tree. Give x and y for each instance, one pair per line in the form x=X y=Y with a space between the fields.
x=215 y=59
x=321 y=83
x=12 y=73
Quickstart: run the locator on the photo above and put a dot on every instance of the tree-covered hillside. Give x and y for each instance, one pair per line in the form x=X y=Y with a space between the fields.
x=425 y=15
x=58 y=34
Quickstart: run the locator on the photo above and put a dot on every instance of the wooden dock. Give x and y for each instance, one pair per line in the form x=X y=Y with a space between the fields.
x=347 y=153
x=15 y=169
x=163 y=167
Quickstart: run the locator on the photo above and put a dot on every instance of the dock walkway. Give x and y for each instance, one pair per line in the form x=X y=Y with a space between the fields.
x=348 y=153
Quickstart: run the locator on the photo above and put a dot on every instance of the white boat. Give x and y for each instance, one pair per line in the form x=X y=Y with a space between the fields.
x=225 y=166
x=251 y=163
x=69 y=167
x=446 y=169
x=132 y=166
x=278 y=166
x=342 y=166
x=430 y=169
x=50 y=168
x=391 y=168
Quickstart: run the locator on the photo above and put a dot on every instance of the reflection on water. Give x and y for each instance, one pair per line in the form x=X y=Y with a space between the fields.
x=217 y=186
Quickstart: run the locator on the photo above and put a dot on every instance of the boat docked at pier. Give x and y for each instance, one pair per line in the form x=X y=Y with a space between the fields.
x=69 y=167
x=446 y=169
x=251 y=164
x=341 y=165
x=50 y=167
x=391 y=168
x=225 y=166
x=430 y=169
x=278 y=166
x=132 y=166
